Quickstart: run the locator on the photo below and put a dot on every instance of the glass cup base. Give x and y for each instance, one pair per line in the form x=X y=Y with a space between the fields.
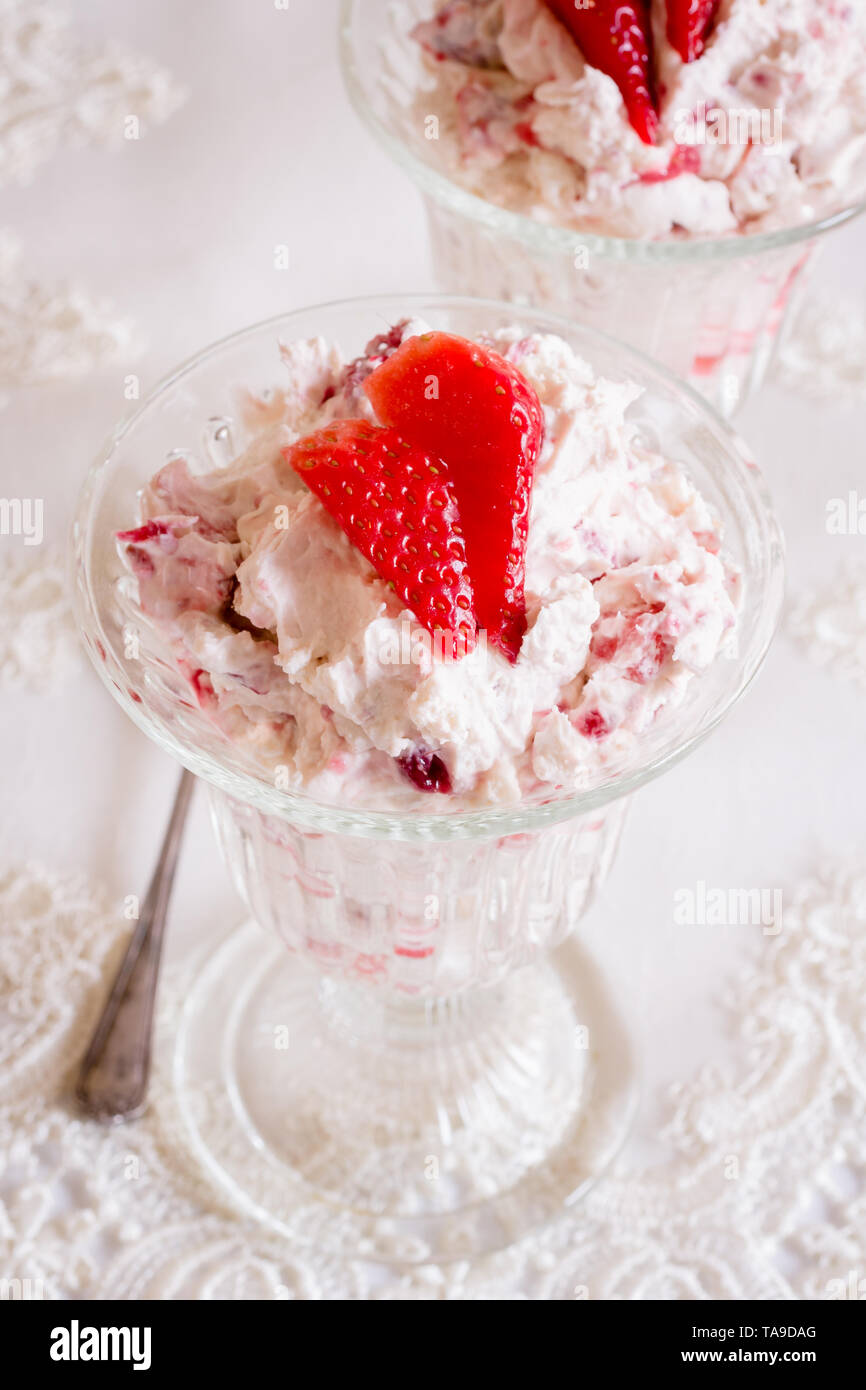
x=409 y=1131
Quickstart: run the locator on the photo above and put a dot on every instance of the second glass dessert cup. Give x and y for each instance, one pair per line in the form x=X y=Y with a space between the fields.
x=713 y=310
x=435 y=1066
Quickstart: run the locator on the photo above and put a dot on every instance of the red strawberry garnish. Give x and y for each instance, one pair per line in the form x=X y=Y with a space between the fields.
x=395 y=503
x=689 y=22
x=615 y=36
x=468 y=406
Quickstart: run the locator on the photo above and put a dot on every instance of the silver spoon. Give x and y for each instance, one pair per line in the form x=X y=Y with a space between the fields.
x=112 y=1082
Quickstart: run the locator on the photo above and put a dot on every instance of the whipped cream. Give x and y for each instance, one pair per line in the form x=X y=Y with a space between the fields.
x=765 y=130
x=296 y=648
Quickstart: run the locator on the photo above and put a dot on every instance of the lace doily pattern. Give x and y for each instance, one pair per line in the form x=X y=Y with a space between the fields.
x=761 y=1194
x=830 y=625
x=39 y=647
x=57 y=936
x=823 y=355
x=52 y=333
x=56 y=93
x=94 y=1212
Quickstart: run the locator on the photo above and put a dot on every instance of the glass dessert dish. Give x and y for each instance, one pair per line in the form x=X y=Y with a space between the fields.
x=712 y=310
x=434 y=1066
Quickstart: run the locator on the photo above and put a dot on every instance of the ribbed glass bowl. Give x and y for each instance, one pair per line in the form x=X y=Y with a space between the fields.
x=713 y=310
x=433 y=1066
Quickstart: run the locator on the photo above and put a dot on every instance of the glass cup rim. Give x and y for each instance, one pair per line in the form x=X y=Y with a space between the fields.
x=544 y=238
x=412 y=824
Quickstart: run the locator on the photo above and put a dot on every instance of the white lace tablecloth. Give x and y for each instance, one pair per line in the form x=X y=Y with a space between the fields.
x=152 y=158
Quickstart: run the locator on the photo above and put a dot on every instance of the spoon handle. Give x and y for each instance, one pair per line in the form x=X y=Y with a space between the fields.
x=112 y=1082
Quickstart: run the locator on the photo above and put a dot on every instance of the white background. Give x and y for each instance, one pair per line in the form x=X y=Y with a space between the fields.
x=179 y=230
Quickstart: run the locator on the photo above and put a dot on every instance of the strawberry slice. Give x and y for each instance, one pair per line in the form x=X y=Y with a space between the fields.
x=615 y=36
x=689 y=23
x=467 y=405
x=396 y=504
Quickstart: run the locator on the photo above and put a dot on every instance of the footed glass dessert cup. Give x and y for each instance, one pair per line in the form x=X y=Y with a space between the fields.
x=713 y=310
x=419 y=1061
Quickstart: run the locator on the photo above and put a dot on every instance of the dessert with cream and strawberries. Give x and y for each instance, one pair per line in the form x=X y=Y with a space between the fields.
x=445 y=571
x=650 y=118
